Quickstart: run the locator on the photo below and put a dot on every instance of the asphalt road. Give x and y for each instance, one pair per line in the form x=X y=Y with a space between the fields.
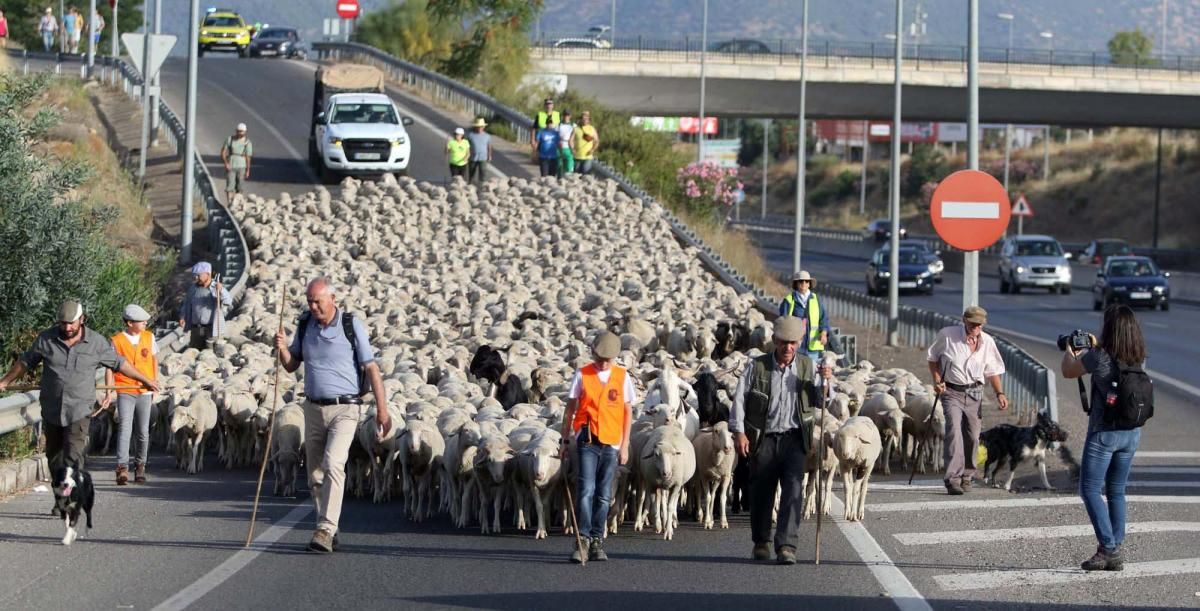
x=177 y=541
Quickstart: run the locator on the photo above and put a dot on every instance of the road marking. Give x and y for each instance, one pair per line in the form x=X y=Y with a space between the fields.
x=296 y=156
x=185 y=597
x=987 y=580
x=1036 y=532
x=917 y=485
x=893 y=580
x=1168 y=470
x=1028 y=502
x=1164 y=454
x=970 y=210
x=1161 y=484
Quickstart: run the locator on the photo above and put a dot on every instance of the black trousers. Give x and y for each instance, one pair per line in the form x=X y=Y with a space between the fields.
x=67 y=443
x=476 y=171
x=778 y=461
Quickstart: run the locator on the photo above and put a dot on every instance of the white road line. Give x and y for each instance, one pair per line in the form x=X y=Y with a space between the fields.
x=1164 y=454
x=893 y=580
x=970 y=210
x=185 y=597
x=1037 y=532
x=988 y=580
x=916 y=486
x=1168 y=470
x=1027 y=502
x=1134 y=483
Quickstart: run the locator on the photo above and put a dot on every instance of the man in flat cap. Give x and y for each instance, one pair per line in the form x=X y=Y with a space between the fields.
x=136 y=345
x=200 y=305
x=599 y=414
x=771 y=420
x=70 y=353
x=960 y=359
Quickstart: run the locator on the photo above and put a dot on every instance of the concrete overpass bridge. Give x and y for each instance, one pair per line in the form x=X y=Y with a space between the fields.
x=848 y=83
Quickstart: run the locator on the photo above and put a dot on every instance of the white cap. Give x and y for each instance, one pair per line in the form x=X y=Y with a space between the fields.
x=135 y=313
x=458 y=131
x=203 y=267
x=241 y=127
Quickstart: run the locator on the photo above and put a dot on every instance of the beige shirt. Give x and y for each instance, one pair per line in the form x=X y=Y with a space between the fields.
x=959 y=364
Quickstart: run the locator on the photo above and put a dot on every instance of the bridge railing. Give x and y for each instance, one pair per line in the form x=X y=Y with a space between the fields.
x=225 y=235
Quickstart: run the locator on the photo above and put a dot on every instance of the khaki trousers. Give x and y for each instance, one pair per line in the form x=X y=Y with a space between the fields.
x=328 y=432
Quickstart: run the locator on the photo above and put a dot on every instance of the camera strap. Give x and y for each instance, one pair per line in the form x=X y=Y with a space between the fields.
x=1083 y=398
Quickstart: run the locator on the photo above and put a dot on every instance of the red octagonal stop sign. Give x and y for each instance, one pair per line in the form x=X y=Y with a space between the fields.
x=970 y=210
x=347 y=9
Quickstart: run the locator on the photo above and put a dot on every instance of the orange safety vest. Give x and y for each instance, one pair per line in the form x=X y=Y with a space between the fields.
x=602 y=406
x=140 y=356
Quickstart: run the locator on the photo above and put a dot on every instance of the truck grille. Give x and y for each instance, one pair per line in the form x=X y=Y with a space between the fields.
x=359 y=149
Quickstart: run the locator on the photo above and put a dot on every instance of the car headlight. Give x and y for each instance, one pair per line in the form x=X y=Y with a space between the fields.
x=1160 y=289
x=885 y=274
x=925 y=274
x=399 y=141
x=1120 y=289
x=1020 y=269
x=204 y=32
x=335 y=142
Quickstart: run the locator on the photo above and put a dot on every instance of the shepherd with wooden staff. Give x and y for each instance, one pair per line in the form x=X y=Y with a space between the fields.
x=772 y=419
x=205 y=300
x=262 y=469
x=70 y=354
x=339 y=368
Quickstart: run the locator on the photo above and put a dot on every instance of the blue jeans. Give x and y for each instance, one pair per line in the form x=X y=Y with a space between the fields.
x=48 y=41
x=597 y=467
x=1107 y=457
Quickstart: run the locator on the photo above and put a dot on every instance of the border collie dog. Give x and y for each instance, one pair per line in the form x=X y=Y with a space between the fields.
x=1015 y=444
x=73 y=493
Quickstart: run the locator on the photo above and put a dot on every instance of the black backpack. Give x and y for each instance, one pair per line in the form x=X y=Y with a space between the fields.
x=364 y=386
x=1134 y=403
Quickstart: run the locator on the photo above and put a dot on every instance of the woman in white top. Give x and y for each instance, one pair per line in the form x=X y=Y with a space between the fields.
x=566 y=140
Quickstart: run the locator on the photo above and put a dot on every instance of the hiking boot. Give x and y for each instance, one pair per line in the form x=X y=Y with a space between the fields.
x=1116 y=560
x=965 y=484
x=139 y=474
x=322 y=541
x=122 y=475
x=596 y=551
x=785 y=555
x=762 y=551
x=953 y=488
x=576 y=555
x=1104 y=561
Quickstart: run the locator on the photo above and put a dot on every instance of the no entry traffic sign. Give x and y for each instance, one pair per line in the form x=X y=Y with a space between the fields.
x=970 y=210
x=347 y=9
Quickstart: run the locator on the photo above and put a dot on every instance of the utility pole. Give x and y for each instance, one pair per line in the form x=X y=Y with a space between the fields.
x=116 y=30
x=862 y=187
x=1046 y=155
x=189 y=147
x=612 y=25
x=91 y=35
x=1164 y=31
x=154 y=100
x=766 y=164
x=703 y=74
x=1157 y=186
x=1007 y=152
x=893 y=329
x=971 y=259
x=802 y=143
x=146 y=110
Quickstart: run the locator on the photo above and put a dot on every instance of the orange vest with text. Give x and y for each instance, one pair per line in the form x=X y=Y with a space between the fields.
x=140 y=356
x=602 y=406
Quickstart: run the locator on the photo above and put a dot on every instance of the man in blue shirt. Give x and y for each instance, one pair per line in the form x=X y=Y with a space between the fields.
x=332 y=399
x=548 y=144
x=802 y=303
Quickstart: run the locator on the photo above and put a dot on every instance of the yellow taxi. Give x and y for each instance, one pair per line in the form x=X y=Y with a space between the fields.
x=223 y=30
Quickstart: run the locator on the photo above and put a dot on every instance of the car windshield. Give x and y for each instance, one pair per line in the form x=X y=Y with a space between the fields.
x=1038 y=248
x=1132 y=269
x=223 y=21
x=910 y=256
x=1114 y=248
x=273 y=34
x=363 y=113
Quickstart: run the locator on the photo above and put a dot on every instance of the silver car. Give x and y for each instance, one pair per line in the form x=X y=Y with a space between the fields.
x=1034 y=261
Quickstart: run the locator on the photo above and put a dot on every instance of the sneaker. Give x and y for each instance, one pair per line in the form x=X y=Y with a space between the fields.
x=596 y=551
x=139 y=474
x=762 y=551
x=322 y=541
x=576 y=555
x=1099 y=561
x=785 y=555
x=122 y=475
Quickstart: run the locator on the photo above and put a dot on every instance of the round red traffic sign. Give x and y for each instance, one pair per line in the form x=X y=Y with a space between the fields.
x=347 y=9
x=970 y=210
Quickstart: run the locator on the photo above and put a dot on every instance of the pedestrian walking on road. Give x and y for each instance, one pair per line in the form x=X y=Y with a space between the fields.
x=566 y=144
x=69 y=354
x=96 y=27
x=771 y=419
x=960 y=360
x=587 y=141
x=137 y=346
x=802 y=303
x=236 y=154
x=72 y=23
x=47 y=26
x=200 y=305
x=599 y=415
x=339 y=364
x=540 y=119
x=481 y=150
x=547 y=139
x=458 y=153
x=1109 y=448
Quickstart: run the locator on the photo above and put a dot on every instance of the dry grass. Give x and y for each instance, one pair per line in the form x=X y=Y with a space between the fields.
x=740 y=252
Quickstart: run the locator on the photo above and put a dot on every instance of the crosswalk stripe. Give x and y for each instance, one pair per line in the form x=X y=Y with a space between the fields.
x=1037 y=532
x=988 y=580
x=1164 y=454
x=1049 y=501
x=1145 y=483
x=1167 y=470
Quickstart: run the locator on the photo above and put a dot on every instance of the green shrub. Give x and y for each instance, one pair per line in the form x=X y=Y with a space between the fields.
x=17 y=444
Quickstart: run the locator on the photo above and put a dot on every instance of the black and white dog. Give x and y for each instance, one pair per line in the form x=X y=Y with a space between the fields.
x=1015 y=444
x=73 y=493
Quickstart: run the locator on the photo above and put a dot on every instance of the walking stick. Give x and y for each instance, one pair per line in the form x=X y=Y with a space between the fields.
x=821 y=465
x=33 y=387
x=262 y=470
x=575 y=522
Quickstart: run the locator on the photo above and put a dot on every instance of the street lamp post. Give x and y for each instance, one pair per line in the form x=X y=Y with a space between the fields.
x=703 y=74
x=893 y=336
x=971 y=259
x=802 y=148
x=612 y=25
x=1164 y=31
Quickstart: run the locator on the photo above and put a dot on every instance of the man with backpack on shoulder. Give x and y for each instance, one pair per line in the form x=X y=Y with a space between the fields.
x=339 y=368
x=1122 y=401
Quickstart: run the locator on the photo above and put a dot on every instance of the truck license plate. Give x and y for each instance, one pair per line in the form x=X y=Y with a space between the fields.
x=366 y=156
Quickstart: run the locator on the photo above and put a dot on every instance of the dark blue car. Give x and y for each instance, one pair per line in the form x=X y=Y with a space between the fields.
x=1131 y=280
x=915 y=275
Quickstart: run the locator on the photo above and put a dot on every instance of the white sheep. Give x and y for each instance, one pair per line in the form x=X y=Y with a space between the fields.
x=539 y=471
x=884 y=410
x=715 y=459
x=287 y=448
x=668 y=462
x=857 y=446
x=420 y=450
x=190 y=425
x=493 y=465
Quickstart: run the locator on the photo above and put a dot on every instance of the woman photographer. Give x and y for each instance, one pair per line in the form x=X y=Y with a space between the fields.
x=1109 y=448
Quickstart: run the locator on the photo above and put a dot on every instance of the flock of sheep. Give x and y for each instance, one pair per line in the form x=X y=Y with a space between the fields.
x=535 y=269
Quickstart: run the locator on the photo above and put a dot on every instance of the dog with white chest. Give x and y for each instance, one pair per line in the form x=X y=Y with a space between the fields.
x=73 y=494
x=1016 y=444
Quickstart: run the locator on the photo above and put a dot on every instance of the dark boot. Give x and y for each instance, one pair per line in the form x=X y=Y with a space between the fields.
x=1099 y=561
x=596 y=551
x=761 y=552
x=953 y=488
x=122 y=475
x=1116 y=560
x=139 y=473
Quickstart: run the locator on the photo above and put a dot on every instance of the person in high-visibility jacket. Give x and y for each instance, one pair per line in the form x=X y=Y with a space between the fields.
x=137 y=346
x=599 y=414
x=541 y=119
x=803 y=303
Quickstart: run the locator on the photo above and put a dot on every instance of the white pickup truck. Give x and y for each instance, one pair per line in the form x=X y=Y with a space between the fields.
x=356 y=129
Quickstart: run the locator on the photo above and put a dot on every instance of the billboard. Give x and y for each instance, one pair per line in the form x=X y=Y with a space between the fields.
x=679 y=125
x=723 y=152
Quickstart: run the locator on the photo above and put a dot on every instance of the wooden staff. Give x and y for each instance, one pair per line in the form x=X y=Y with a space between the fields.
x=262 y=470
x=575 y=522
x=32 y=387
x=821 y=461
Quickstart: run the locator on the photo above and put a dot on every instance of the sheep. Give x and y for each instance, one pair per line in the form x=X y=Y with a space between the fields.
x=667 y=463
x=715 y=459
x=884 y=410
x=287 y=448
x=420 y=450
x=381 y=453
x=493 y=465
x=539 y=468
x=190 y=425
x=821 y=445
x=857 y=445
x=927 y=427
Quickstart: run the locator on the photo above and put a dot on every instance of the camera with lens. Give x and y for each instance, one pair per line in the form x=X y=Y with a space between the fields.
x=1077 y=339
